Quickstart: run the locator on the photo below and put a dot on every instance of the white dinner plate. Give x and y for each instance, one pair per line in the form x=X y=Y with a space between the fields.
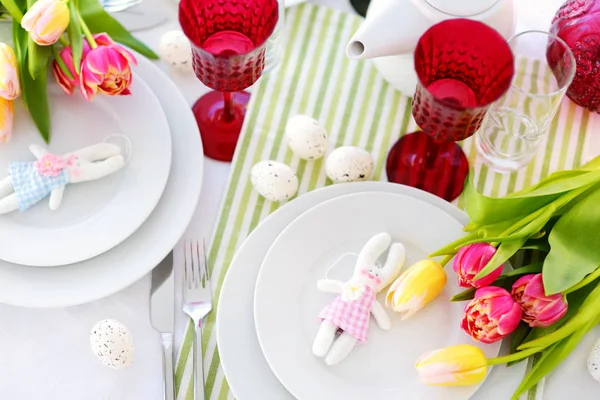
x=248 y=374
x=133 y=258
x=98 y=215
x=287 y=301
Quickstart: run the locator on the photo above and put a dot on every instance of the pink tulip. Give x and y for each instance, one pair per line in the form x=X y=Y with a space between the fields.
x=106 y=69
x=470 y=260
x=491 y=315
x=67 y=84
x=539 y=310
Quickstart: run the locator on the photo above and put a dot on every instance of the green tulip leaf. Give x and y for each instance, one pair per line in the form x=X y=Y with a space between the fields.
x=505 y=251
x=518 y=336
x=485 y=210
x=34 y=92
x=100 y=21
x=75 y=35
x=574 y=245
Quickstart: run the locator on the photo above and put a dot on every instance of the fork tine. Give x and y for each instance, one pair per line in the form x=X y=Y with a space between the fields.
x=205 y=259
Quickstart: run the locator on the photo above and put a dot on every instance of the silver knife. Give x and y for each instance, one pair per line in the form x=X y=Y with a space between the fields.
x=162 y=314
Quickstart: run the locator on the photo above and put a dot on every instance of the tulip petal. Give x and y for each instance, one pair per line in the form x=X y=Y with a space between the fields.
x=6 y=119
x=457 y=365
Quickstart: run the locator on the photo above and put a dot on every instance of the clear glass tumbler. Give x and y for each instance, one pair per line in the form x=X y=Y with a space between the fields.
x=514 y=126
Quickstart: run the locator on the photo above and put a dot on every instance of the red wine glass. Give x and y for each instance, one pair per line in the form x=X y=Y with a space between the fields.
x=228 y=39
x=463 y=66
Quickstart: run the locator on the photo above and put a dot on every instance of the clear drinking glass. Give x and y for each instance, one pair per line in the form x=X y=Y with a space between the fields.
x=514 y=126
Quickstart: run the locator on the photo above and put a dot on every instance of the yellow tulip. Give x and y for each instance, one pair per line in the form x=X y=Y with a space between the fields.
x=6 y=119
x=416 y=287
x=46 y=20
x=459 y=365
x=10 y=88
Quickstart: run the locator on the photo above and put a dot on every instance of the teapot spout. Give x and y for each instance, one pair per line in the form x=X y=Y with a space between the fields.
x=384 y=34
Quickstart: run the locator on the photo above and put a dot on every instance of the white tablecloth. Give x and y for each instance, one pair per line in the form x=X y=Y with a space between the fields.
x=45 y=354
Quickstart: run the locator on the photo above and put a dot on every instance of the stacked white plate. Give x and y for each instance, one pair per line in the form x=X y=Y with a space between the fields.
x=267 y=317
x=110 y=232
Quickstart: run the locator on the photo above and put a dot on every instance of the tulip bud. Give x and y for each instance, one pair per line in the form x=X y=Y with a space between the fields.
x=491 y=315
x=539 y=310
x=10 y=88
x=470 y=260
x=106 y=69
x=46 y=20
x=459 y=365
x=416 y=287
x=67 y=84
x=6 y=119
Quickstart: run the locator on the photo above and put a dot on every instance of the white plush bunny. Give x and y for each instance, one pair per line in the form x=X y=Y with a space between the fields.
x=30 y=182
x=350 y=311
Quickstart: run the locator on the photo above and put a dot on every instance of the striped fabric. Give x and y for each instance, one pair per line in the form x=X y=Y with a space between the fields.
x=357 y=107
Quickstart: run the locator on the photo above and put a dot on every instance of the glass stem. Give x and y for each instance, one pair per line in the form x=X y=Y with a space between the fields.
x=228 y=109
x=432 y=154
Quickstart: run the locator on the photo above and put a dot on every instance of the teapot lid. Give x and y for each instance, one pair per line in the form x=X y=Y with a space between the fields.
x=462 y=8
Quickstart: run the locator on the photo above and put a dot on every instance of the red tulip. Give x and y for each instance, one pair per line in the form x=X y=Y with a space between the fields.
x=470 y=260
x=539 y=310
x=106 y=69
x=491 y=315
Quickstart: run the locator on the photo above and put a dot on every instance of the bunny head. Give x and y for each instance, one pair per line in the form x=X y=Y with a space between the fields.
x=93 y=162
x=370 y=272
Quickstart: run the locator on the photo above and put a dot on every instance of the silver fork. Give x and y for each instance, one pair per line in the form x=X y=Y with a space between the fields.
x=197 y=303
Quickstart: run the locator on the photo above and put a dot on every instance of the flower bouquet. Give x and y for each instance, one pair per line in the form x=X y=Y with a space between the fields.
x=547 y=306
x=78 y=39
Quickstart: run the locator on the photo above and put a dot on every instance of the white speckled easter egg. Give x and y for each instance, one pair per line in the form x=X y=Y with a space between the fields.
x=275 y=181
x=593 y=362
x=306 y=137
x=174 y=48
x=349 y=164
x=112 y=343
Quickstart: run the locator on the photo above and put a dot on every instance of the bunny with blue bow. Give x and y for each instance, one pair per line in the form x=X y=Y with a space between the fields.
x=349 y=313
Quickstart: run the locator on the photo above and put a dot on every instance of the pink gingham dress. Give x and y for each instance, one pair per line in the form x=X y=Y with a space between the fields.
x=351 y=316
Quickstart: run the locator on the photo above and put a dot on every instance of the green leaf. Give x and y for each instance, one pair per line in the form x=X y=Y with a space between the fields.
x=100 y=21
x=15 y=8
x=34 y=93
x=485 y=210
x=38 y=58
x=505 y=251
x=75 y=35
x=518 y=336
x=504 y=281
x=574 y=245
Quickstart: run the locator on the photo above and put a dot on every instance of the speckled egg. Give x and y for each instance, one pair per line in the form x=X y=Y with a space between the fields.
x=349 y=164
x=306 y=137
x=593 y=362
x=274 y=181
x=174 y=48
x=112 y=343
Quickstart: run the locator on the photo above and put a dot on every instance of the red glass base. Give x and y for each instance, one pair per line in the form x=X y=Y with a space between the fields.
x=219 y=135
x=417 y=160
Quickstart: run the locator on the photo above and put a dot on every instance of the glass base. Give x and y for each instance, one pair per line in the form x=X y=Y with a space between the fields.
x=439 y=168
x=508 y=159
x=219 y=136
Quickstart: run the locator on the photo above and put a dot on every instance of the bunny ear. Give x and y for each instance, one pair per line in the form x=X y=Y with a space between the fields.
x=98 y=152
x=372 y=250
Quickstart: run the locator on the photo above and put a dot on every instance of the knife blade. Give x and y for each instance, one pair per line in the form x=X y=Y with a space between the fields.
x=162 y=316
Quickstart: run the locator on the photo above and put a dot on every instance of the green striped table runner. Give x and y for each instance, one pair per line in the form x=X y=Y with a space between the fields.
x=357 y=107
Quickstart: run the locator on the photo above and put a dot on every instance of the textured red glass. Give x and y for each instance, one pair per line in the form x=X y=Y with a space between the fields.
x=577 y=22
x=229 y=39
x=463 y=66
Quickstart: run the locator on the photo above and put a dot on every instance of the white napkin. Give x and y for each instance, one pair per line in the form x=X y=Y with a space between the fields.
x=45 y=354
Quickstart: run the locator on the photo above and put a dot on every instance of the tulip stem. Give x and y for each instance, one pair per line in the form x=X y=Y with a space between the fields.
x=63 y=40
x=515 y=356
x=61 y=63
x=446 y=259
x=86 y=32
x=13 y=9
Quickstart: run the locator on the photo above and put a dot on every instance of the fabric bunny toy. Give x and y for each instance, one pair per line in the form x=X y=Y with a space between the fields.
x=350 y=311
x=30 y=182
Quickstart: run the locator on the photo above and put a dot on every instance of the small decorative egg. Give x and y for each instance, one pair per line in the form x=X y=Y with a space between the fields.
x=593 y=361
x=306 y=137
x=349 y=164
x=112 y=343
x=274 y=181
x=174 y=48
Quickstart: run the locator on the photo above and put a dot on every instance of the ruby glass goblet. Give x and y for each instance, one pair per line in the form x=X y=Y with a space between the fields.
x=463 y=66
x=228 y=39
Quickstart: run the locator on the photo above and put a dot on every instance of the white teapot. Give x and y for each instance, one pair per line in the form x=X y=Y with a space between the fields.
x=392 y=29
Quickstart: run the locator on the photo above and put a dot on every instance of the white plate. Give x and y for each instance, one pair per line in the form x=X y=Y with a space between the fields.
x=121 y=266
x=248 y=374
x=94 y=216
x=287 y=302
